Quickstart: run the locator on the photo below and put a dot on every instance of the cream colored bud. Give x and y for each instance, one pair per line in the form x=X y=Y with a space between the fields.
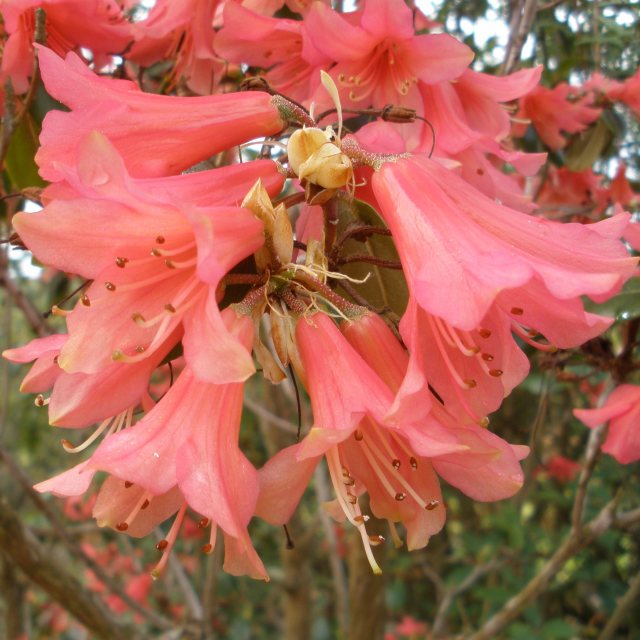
x=315 y=157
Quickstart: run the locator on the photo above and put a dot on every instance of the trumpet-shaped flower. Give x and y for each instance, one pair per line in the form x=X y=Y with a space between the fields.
x=460 y=249
x=154 y=265
x=156 y=135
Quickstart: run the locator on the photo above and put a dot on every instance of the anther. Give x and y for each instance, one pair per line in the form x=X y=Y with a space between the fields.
x=121 y=262
x=117 y=355
x=168 y=263
x=145 y=504
x=109 y=286
x=348 y=481
x=361 y=519
x=85 y=300
x=484 y=333
x=413 y=462
x=137 y=317
x=358 y=435
x=395 y=463
x=484 y=423
x=207 y=548
x=128 y=484
x=496 y=373
x=169 y=307
x=39 y=400
x=66 y=444
x=470 y=383
x=345 y=472
x=123 y=526
x=351 y=498
x=204 y=522
x=160 y=240
x=400 y=496
x=376 y=540
x=162 y=545
x=431 y=505
x=156 y=252
x=517 y=311
x=487 y=357
x=140 y=349
x=55 y=359
x=57 y=311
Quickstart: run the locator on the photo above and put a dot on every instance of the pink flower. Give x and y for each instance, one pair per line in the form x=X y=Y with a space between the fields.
x=622 y=412
x=156 y=135
x=561 y=468
x=155 y=265
x=457 y=245
x=281 y=46
x=370 y=448
x=381 y=60
x=98 y=25
x=557 y=110
x=182 y=31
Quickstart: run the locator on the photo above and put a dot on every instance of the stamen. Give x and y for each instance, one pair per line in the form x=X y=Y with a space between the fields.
x=85 y=300
x=57 y=311
x=40 y=400
x=397 y=540
x=484 y=333
x=431 y=505
x=128 y=484
x=69 y=448
x=519 y=330
x=109 y=286
x=160 y=240
x=121 y=262
x=464 y=384
x=517 y=311
x=170 y=541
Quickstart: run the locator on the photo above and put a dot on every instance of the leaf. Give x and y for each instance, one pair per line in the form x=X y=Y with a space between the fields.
x=588 y=146
x=624 y=306
x=384 y=288
x=20 y=163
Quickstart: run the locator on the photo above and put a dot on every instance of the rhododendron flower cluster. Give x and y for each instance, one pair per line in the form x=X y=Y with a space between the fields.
x=194 y=272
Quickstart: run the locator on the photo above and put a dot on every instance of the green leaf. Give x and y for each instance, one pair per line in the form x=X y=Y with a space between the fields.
x=20 y=163
x=624 y=306
x=384 y=287
x=588 y=146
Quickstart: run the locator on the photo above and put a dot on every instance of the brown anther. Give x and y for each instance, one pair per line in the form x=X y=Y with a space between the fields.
x=85 y=300
x=532 y=333
x=109 y=286
x=394 y=113
x=484 y=423
x=345 y=471
x=400 y=496
x=204 y=522
x=207 y=548
x=169 y=264
x=358 y=435
x=123 y=526
x=140 y=349
x=496 y=373
x=376 y=540
x=160 y=240
x=395 y=463
x=162 y=545
x=55 y=359
x=484 y=333
x=348 y=481
x=39 y=400
x=145 y=504
x=66 y=444
x=169 y=307
x=137 y=317
x=431 y=505
x=255 y=83
x=127 y=484
x=413 y=462
x=361 y=519
x=470 y=383
x=121 y=262
x=517 y=311
x=487 y=357
x=156 y=252
x=351 y=498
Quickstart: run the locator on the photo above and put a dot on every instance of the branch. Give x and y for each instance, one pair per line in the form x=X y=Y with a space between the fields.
x=21 y=548
x=575 y=542
x=68 y=540
x=622 y=609
x=522 y=17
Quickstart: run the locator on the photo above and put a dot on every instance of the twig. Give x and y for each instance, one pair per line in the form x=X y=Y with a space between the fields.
x=71 y=544
x=622 y=609
x=21 y=548
x=573 y=544
x=449 y=595
x=272 y=418
x=524 y=12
